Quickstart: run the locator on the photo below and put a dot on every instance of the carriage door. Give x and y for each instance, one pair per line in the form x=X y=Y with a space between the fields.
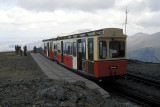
x=81 y=54
x=62 y=51
x=74 y=46
x=47 y=48
x=90 y=56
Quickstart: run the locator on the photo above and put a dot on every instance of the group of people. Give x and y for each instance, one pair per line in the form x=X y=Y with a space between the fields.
x=18 y=49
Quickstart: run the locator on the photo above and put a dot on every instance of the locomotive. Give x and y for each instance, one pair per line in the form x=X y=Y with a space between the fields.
x=100 y=53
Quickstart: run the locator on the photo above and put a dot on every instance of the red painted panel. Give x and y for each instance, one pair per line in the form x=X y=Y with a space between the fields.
x=45 y=52
x=64 y=60
x=68 y=60
x=58 y=57
x=101 y=69
x=51 y=54
x=96 y=69
x=86 y=67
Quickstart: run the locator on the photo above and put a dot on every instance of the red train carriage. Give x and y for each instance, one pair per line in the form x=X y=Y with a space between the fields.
x=47 y=46
x=101 y=53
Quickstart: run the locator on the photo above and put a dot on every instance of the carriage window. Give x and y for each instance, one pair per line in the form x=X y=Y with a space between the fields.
x=79 y=47
x=83 y=49
x=102 y=49
x=50 y=46
x=64 y=48
x=116 y=49
x=74 y=48
x=90 y=48
x=59 y=47
x=55 y=46
x=45 y=46
x=68 y=48
x=71 y=48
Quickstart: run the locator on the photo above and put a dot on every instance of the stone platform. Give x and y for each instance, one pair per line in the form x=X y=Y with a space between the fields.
x=57 y=72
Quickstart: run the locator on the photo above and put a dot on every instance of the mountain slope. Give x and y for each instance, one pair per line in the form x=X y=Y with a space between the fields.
x=144 y=47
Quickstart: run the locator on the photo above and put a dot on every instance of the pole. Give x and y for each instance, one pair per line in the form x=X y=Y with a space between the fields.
x=126 y=20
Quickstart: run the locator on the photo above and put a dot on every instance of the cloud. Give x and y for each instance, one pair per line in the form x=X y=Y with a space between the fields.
x=150 y=19
x=154 y=5
x=43 y=19
x=52 y=5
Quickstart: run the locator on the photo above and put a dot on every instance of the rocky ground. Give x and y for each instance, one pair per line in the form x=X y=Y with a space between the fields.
x=148 y=70
x=22 y=83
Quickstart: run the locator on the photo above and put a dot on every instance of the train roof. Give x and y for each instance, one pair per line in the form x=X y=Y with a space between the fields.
x=106 y=32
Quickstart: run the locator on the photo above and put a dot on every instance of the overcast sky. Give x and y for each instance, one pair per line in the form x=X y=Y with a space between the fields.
x=41 y=19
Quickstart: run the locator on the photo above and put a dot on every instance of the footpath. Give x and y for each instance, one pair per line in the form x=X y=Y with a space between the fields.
x=57 y=72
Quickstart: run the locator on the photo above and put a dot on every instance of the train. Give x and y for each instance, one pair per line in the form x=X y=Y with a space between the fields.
x=100 y=53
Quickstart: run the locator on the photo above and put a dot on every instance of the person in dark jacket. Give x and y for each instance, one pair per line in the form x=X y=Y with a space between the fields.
x=35 y=51
x=25 y=50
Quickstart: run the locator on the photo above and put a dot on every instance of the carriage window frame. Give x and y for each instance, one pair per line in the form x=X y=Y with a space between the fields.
x=68 y=48
x=44 y=46
x=50 y=46
x=74 y=49
x=84 y=49
x=64 y=48
x=120 y=52
x=101 y=51
x=71 y=48
x=55 y=45
x=59 y=47
x=90 y=49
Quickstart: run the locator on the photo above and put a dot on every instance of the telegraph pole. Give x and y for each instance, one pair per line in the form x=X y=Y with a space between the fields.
x=126 y=20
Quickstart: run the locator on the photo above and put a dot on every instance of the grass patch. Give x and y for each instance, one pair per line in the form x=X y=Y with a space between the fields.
x=15 y=67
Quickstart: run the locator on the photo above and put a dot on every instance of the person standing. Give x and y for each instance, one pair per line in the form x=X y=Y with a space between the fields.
x=25 y=50
x=35 y=51
x=21 y=51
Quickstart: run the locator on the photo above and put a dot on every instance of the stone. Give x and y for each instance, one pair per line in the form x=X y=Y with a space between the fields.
x=91 y=100
x=73 y=98
x=53 y=92
x=61 y=93
x=81 y=96
x=49 y=105
x=106 y=96
x=62 y=83
x=82 y=84
x=67 y=104
x=40 y=103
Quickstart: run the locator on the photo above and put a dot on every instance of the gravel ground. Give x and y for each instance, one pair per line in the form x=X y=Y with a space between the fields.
x=22 y=83
x=148 y=70
x=51 y=93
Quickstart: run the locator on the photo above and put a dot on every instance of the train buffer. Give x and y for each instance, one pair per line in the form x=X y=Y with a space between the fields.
x=57 y=72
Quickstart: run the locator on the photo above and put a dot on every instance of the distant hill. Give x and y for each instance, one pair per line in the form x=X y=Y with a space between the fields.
x=144 y=47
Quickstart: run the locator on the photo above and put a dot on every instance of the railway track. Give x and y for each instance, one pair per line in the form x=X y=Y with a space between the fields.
x=143 y=79
x=132 y=95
